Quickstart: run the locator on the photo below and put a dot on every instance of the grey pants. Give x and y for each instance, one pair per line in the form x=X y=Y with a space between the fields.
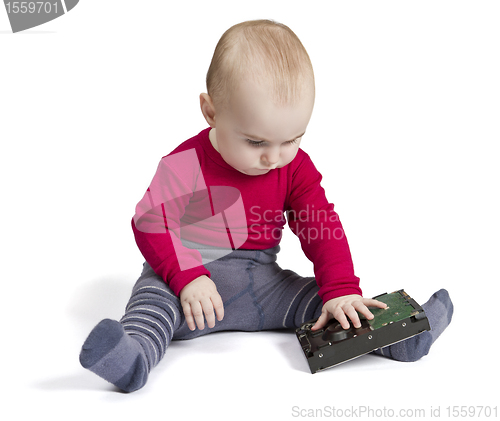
x=257 y=295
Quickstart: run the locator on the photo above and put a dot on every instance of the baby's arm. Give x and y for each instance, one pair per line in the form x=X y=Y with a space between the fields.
x=198 y=298
x=347 y=305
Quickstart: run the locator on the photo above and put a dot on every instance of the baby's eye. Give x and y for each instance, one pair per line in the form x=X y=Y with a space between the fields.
x=254 y=143
x=291 y=142
x=262 y=143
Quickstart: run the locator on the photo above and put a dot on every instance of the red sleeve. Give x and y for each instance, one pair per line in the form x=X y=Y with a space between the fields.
x=158 y=251
x=157 y=222
x=313 y=219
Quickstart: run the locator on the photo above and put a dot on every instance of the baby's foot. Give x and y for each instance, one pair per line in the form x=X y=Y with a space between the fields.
x=439 y=311
x=115 y=356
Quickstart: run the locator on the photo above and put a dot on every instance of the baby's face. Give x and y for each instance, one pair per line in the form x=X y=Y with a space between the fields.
x=254 y=135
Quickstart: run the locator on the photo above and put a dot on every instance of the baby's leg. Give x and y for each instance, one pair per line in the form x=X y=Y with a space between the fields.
x=124 y=352
x=258 y=294
x=269 y=297
x=439 y=311
x=287 y=299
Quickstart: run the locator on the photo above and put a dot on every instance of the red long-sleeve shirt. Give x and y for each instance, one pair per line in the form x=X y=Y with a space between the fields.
x=196 y=195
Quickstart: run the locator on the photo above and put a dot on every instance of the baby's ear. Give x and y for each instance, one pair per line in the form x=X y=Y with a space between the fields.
x=208 y=109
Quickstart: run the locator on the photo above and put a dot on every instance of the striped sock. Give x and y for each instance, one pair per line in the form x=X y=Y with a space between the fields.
x=439 y=311
x=116 y=357
x=152 y=316
x=124 y=352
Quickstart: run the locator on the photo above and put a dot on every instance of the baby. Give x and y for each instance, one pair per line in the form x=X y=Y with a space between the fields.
x=210 y=223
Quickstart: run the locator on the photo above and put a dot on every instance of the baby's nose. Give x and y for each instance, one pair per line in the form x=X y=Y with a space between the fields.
x=271 y=157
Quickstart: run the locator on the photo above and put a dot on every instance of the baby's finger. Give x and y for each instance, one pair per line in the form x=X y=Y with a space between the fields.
x=321 y=321
x=208 y=310
x=353 y=316
x=188 y=315
x=198 y=315
x=218 y=306
x=341 y=318
x=370 y=302
x=359 y=306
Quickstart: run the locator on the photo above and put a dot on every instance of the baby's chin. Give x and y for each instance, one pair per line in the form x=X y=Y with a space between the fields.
x=254 y=171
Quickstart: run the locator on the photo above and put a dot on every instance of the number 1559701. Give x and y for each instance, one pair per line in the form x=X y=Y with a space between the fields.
x=31 y=7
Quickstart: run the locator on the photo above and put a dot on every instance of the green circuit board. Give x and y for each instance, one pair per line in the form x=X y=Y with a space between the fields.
x=398 y=308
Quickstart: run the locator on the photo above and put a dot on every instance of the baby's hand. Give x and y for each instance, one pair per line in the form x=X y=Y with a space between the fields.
x=347 y=305
x=200 y=297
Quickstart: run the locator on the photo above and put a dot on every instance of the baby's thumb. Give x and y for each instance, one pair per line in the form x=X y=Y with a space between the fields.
x=321 y=321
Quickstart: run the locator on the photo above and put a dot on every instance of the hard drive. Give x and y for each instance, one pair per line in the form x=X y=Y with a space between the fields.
x=333 y=345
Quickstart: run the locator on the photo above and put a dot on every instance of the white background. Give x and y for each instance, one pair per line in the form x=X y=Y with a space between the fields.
x=405 y=131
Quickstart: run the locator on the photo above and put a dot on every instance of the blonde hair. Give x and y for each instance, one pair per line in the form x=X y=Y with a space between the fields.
x=266 y=51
